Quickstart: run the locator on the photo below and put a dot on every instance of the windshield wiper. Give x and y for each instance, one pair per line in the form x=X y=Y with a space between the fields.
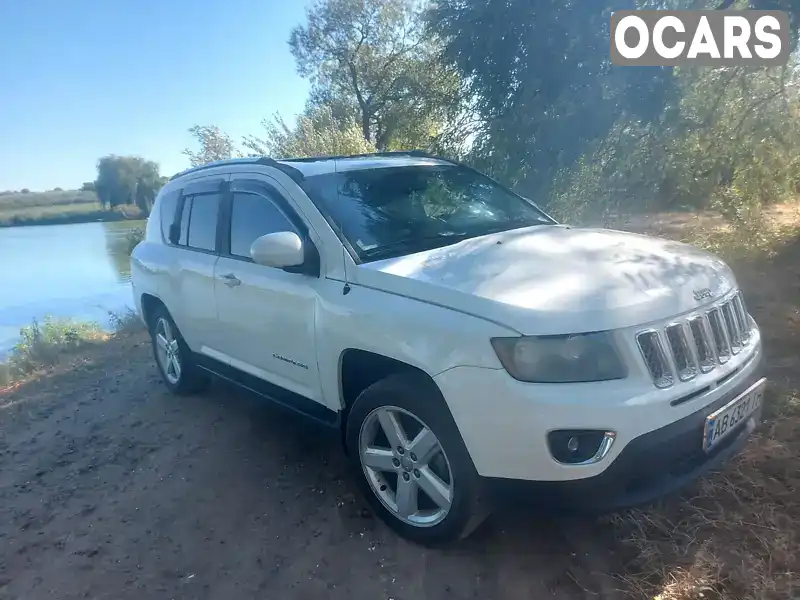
x=416 y=244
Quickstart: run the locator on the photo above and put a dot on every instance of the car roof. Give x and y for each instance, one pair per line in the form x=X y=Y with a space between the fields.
x=298 y=168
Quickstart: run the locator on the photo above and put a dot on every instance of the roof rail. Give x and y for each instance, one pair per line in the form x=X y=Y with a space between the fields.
x=295 y=174
x=420 y=153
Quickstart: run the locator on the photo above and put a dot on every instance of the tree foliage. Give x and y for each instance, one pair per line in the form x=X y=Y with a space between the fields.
x=127 y=180
x=525 y=90
x=562 y=123
x=214 y=145
x=374 y=62
x=316 y=133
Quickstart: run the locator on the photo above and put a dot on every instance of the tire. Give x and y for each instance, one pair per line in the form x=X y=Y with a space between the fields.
x=413 y=401
x=188 y=378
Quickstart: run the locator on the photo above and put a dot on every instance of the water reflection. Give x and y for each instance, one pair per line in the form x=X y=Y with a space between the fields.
x=80 y=271
x=116 y=234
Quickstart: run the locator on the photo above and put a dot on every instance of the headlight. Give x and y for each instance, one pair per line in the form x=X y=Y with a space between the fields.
x=560 y=358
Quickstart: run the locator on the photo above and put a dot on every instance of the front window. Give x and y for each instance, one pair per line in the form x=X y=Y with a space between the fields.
x=393 y=211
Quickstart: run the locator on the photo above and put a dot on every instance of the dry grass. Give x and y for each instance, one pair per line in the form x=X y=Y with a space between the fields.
x=736 y=534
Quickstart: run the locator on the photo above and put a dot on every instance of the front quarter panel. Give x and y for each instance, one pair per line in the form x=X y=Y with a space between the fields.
x=428 y=337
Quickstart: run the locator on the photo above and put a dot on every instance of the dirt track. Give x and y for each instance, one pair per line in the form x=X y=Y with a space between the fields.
x=112 y=488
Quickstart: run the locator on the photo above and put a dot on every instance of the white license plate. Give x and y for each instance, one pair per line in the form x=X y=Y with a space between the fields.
x=723 y=422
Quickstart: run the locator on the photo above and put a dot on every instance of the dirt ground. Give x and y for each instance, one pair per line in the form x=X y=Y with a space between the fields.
x=112 y=488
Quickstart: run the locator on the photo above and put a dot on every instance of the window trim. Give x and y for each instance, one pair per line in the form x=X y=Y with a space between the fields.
x=179 y=193
x=270 y=194
x=200 y=188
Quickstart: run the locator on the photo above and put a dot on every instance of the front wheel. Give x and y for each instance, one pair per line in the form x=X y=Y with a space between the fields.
x=410 y=461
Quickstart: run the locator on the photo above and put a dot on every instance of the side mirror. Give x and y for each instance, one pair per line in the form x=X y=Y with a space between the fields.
x=280 y=250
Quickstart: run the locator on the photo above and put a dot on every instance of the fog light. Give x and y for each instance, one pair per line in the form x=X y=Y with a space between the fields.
x=580 y=446
x=573 y=444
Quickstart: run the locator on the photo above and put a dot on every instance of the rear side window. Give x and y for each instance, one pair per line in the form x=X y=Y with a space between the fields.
x=202 y=233
x=253 y=215
x=168 y=205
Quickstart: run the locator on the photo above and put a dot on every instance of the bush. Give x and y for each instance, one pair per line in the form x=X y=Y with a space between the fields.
x=731 y=144
x=124 y=322
x=41 y=344
x=133 y=237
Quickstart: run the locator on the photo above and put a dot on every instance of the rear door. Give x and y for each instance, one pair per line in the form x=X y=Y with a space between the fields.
x=196 y=236
x=266 y=315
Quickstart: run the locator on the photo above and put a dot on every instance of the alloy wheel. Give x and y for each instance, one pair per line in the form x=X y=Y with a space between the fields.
x=168 y=351
x=406 y=466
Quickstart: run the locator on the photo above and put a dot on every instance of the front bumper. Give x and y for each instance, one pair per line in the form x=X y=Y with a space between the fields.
x=650 y=466
x=505 y=423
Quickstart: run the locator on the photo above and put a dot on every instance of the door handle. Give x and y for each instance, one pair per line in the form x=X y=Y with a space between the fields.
x=231 y=280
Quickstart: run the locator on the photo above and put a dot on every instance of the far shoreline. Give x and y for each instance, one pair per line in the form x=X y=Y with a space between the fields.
x=95 y=216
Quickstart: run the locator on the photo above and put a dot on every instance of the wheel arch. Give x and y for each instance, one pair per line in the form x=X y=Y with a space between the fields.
x=359 y=369
x=149 y=305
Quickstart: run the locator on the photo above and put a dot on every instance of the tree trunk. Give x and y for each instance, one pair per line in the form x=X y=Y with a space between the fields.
x=365 y=131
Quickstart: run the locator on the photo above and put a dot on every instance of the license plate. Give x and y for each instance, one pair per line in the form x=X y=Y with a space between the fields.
x=721 y=423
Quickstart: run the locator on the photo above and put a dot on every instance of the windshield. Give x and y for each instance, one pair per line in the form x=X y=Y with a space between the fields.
x=392 y=211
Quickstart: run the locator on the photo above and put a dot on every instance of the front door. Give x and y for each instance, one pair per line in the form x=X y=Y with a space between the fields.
x=266 y=315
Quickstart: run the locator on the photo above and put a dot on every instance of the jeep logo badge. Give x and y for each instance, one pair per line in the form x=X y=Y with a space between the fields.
x=702 y=294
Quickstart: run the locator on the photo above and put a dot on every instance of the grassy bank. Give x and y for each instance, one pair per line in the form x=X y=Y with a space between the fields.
x=41 y=345
x=58 y=207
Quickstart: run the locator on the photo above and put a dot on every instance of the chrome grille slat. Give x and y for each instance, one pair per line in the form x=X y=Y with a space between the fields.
x=697 y=343
x=731 y=327
x=722 y=344
x=681 y=353
x=655 y=358
x=702 y=342
x=744 y=319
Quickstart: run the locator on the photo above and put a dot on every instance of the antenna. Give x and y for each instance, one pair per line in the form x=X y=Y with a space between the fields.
x=346 y=288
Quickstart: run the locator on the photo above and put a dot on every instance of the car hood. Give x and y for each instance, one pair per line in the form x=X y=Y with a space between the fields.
x=558 y=279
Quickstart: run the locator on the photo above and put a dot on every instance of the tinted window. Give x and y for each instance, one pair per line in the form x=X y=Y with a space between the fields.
x=168 y=205
x=252 y=216
x=187 y=207
x=203 y=222
x=394 y=211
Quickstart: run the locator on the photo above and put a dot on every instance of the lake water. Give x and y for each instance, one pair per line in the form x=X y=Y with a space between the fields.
x=80 y=271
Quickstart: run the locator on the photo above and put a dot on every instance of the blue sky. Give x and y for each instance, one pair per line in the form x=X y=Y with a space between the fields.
x=80 y=79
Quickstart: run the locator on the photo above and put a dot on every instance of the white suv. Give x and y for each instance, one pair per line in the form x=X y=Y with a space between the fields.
x=463 y=342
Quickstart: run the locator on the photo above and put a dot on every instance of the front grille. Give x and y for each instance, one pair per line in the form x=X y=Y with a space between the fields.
x=697 y=343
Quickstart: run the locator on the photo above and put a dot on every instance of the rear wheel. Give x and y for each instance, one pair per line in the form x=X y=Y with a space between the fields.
x=411 y=462
x=173 y=356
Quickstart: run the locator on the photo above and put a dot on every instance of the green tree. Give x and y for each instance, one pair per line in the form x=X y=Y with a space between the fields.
x=545 y=90
x=127 y=180
x=316 y=133
x=214 y=145
x=87 y=186
x=373 y=61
